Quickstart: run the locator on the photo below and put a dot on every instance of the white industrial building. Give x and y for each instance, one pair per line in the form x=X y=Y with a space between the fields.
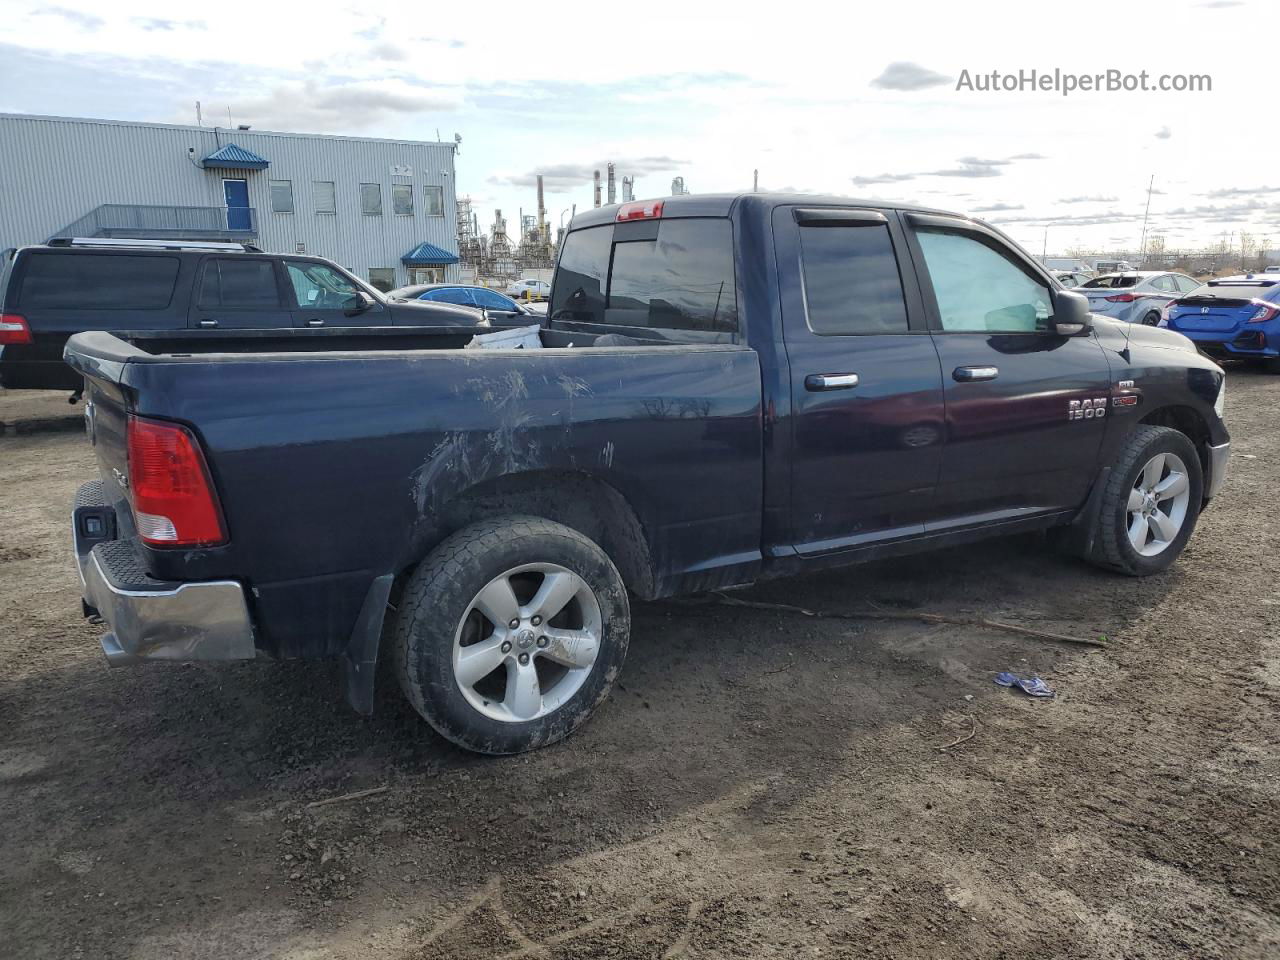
x=384 y=209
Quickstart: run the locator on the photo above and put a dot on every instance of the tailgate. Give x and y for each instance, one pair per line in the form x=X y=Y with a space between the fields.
x=100 y=358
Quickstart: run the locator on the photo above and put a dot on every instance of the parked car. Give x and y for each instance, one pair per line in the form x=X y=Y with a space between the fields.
x=724 y=391
x=1071 y=278
x=1066 y=265
x=501 y=309
x=1232 y=318
x=1112 y=266
x=50 y=291
x=1275 y=268
x=530 y=289
x=1136 y=296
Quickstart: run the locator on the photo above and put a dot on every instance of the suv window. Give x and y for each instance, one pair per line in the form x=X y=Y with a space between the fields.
x=84 y=281
x=245 y=284
x=978 y=288
x=318 y=286
x=851 y=280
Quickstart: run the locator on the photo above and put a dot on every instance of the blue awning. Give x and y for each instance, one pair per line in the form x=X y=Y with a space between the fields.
x=232 y=157
x=427 y=255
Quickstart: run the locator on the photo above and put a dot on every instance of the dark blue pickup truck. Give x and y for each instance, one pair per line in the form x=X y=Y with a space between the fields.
x=726 y=388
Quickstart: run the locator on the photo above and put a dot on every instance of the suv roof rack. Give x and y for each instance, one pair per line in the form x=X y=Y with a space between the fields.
x=152 y=244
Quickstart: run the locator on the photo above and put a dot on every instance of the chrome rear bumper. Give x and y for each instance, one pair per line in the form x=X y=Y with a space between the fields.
x=151 y=619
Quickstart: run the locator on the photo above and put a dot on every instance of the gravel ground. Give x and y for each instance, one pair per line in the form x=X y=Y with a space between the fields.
x=759 y=785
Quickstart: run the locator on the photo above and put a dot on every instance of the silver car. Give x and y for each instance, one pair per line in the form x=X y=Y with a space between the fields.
x=1135 y=296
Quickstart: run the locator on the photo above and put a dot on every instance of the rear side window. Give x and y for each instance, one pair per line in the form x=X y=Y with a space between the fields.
x=53 y=281
x=851 y=280
x=244 y=284
x=450 y=295
x=682 y=279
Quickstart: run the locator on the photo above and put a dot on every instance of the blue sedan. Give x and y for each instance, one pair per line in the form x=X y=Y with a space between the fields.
x=1232 y=318
x=501 y=309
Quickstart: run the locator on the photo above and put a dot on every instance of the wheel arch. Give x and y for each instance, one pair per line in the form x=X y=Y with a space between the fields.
x=1188 y=421
x=577 y=499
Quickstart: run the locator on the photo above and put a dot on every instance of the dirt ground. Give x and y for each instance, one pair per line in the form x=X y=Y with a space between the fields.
x=759 y=785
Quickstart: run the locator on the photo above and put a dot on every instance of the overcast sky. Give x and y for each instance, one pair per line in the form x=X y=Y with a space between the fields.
x=849 y=101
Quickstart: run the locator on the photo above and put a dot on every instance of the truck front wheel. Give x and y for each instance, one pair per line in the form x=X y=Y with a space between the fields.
x=1150 y=503
x=511 y=633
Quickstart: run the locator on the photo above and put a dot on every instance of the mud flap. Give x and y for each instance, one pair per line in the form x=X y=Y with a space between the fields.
x=360 y=660
x=1083 y=530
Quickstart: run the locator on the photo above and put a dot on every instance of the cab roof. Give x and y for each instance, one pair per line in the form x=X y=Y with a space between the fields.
x=722 y=205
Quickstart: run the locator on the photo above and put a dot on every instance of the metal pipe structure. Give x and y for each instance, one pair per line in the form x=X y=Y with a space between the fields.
x=613 y=186
x=596 y=193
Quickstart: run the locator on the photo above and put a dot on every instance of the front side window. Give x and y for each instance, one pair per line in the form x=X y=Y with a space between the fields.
x=326 y=196
x=371 y=199
x=239 y=285
x=851 y=280
x=402 y=199
x=53 y=281
x=282 y=196
x=318 y=286
x=980 y=289
x=493 y=301
x=434 y=200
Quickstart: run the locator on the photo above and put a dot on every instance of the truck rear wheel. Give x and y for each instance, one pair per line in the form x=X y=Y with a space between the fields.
x=511 y=633
x=1150 y=503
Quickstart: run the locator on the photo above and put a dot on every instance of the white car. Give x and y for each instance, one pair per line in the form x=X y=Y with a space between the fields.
x=1136 y=296
x=529 y=288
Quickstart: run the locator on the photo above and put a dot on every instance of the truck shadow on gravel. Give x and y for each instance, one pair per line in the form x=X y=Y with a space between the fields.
x=177 y=795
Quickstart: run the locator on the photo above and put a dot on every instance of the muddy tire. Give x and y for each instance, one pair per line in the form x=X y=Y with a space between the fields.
x=1151 y=319
x=1150 y=504
x=511 y=633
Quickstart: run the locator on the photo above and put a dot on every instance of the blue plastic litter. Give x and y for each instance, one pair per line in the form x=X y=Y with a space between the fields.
x=1031 y=686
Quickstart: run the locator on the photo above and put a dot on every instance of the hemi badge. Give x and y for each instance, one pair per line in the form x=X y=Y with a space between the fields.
x=1126 y=401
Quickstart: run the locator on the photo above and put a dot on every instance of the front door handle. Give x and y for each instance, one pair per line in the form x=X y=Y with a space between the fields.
x=830 y=381
x=315 y=323
x=208 y=324
x=972 y=374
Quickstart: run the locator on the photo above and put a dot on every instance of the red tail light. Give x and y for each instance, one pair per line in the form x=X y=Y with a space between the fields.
x=173 y=500
x=14 y=329
x=640 y=210
x=1122 y=298
x=1264 y=313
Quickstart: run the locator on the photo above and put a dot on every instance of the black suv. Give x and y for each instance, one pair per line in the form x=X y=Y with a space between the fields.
x=53 y=290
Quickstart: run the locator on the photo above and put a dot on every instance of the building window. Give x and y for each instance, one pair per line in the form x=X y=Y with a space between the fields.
x=371 y=199
x=402 y=199
x=426 y=275
x=384 y=278
x=281 y=196
x=326 y=197
x=434 y=200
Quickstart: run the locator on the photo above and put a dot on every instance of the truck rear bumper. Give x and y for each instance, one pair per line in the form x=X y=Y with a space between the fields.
x=152 y=619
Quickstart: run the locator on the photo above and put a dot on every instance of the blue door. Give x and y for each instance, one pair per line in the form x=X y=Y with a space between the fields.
x=237 y=196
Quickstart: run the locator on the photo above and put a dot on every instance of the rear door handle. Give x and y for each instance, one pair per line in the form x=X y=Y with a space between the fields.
x=207 y=324
x=315 y=323
x=830 y=381
x=971 y=374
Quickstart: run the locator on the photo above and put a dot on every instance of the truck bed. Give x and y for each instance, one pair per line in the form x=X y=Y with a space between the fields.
x=337 y=459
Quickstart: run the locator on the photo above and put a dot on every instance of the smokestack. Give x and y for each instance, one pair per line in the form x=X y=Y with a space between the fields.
x=596 y=194
x=613 y=187
x=542 y=210
x=628 y=189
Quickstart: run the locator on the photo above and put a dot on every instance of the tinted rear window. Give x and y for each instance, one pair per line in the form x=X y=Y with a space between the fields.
x=247 y=284
x=681 y=280
x=1110 y=283
x=851 y=280
x=55 y=281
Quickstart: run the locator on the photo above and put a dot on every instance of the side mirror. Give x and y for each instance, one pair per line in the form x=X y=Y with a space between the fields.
x=358 y=304
x=1071 y=313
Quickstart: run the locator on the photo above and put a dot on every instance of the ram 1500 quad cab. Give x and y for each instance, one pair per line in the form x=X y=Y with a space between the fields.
x=725 y=388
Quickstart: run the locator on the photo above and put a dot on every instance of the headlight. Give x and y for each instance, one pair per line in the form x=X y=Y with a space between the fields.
x=1220 y=404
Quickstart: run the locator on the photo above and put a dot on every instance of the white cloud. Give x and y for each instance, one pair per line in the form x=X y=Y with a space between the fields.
x=905 y=75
